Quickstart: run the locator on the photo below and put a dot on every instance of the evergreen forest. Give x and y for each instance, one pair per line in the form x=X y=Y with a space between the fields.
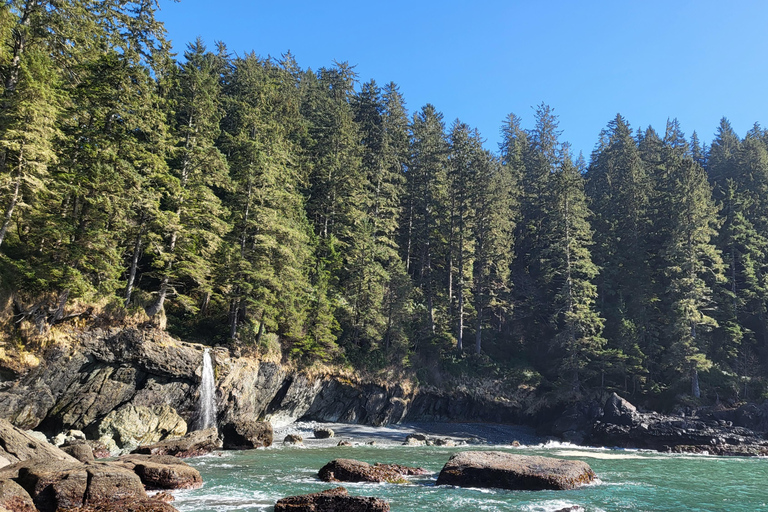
x=303 y=215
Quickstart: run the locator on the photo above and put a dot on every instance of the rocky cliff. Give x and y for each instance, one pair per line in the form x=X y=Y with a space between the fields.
x=105 y=374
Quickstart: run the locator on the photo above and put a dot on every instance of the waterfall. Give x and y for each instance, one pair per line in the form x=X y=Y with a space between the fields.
x=207 y=404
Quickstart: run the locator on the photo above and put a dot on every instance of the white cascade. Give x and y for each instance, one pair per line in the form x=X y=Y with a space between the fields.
x=207 y=404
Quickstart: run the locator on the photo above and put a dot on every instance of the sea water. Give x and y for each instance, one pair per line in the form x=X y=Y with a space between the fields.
x=628 y=480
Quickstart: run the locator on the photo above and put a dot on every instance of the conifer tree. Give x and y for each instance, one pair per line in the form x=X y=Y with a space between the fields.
x=192 y=227
x=426 y=190
x=268 y=251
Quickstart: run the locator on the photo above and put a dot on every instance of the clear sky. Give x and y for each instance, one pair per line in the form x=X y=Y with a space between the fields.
x=478 y=61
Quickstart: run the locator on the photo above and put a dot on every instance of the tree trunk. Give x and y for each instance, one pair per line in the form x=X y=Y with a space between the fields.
x=9 y=211
x=134 y=263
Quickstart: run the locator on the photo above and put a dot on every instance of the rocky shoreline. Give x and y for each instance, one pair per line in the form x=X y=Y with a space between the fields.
x=124 y=387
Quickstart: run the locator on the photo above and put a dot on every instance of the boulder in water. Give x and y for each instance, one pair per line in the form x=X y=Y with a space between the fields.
x=516 y=472
x=193 y=444
x=293 y=439
x=331 y=500
x=242 y=434
x=350 y=470
x=323 y=433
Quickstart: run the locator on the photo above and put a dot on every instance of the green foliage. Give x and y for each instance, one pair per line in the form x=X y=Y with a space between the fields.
x=302 y=215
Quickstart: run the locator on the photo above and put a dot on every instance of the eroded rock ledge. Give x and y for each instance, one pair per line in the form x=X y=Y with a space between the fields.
x=105 y=375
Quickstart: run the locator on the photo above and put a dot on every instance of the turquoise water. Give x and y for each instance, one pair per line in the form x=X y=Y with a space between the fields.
x=629 y=480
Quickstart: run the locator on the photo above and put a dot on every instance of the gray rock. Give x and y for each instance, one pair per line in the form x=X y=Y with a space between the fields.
x=134 y=425
x=515 y=472
x=17 y=446
x=619 y=411
x=196 y=443
x=245 y=434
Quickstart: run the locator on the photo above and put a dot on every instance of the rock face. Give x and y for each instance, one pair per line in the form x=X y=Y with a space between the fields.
x=349 y=470
x=332 y=500
x=132 y=425
x=194 y=444
x=515 y=472
x=78 y=385
x=246 y=434
x=654 y=431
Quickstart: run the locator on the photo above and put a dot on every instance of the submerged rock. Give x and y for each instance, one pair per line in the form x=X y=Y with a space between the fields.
x=516 y=472
x=193 y=444
x=331 y=500
x=350 y=470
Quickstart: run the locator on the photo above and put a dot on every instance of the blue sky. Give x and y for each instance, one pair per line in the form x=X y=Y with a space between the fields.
x=478 y=61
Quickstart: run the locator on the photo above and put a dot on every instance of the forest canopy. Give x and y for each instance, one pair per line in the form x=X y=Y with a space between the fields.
x=246 y=200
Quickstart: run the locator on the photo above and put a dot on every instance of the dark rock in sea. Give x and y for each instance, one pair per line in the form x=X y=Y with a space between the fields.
x=323 y=433
x=14 y=498
x=162 y=471
x=516 y=472
x=293 y=439
x=243 y=434
x=344 y=443
x=55 y=485
x=16 y=445
x=415 y=440
x=349 y=470
x=81 y=451
x=194 y=444
x=331 y=500
x=654 y=431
